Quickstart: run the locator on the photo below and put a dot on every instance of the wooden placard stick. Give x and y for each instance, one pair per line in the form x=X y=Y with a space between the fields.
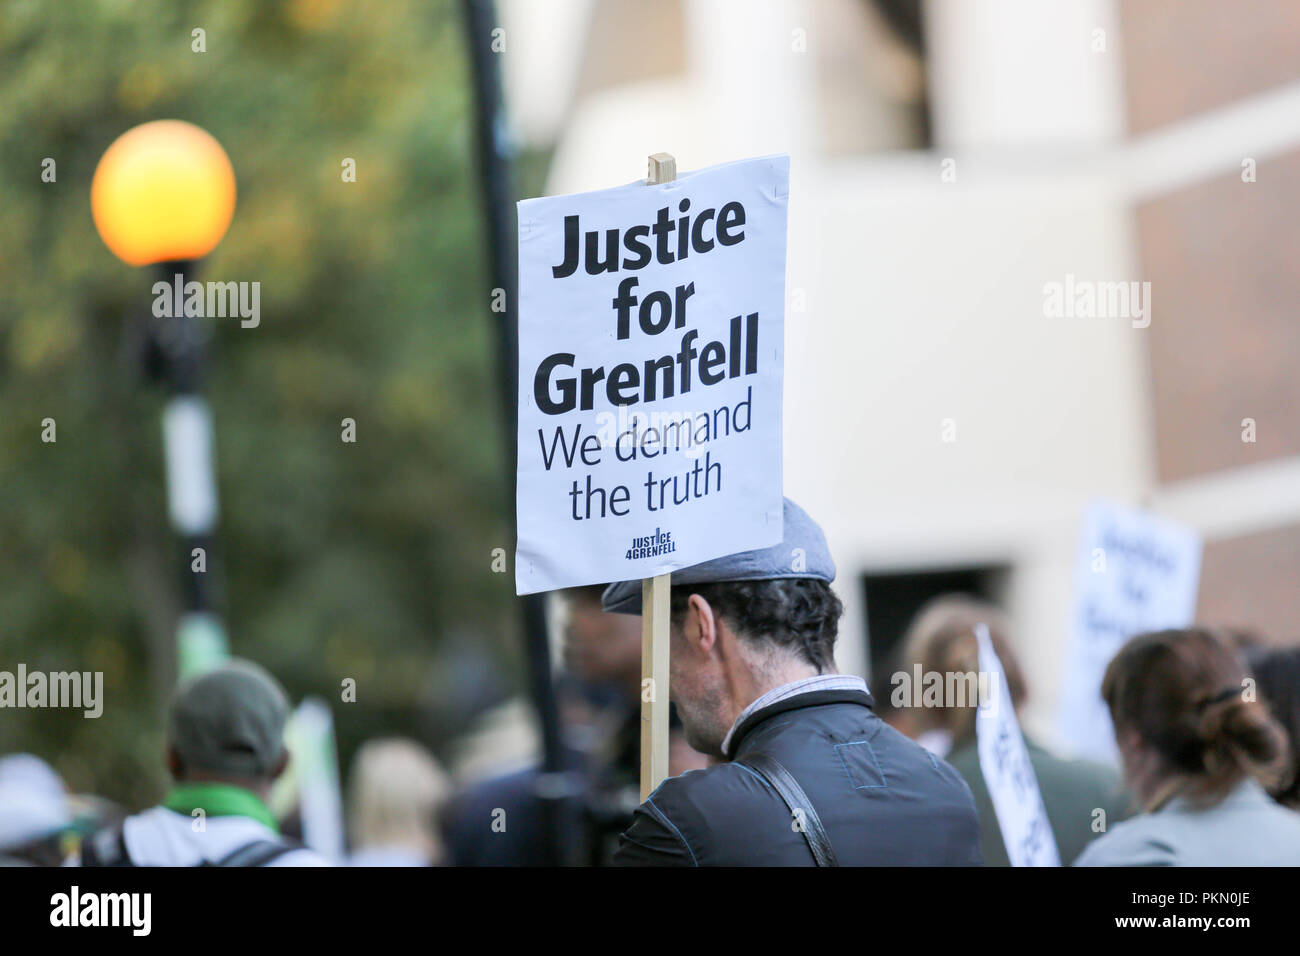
x=655 y=594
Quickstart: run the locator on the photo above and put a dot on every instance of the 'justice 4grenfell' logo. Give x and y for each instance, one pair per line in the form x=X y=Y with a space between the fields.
x=652 y=545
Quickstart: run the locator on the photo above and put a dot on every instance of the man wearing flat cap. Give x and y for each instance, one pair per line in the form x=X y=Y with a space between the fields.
x=225 y=747
x=808 y=774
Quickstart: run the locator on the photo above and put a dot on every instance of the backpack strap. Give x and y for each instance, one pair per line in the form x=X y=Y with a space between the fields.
x=780 y=779
x=106 y=848
x=257 y=853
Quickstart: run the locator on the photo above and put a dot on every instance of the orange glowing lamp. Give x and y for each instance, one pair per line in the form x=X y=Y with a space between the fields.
x=163 y=192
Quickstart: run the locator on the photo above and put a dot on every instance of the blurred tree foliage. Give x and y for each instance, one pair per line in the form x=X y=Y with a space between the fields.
x=368 y=560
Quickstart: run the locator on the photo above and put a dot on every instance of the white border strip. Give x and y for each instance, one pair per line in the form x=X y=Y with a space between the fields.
x=1210 y=144
x=1254 y=498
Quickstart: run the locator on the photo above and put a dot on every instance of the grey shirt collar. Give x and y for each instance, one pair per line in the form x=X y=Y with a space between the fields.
x=807 y=685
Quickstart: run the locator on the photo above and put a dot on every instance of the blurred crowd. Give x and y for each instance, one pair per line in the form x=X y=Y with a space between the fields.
x=1206 y=725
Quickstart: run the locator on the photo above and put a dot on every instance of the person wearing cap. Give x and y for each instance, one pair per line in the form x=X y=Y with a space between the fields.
x=34 y=812
x=807 y=774
x=225 y=747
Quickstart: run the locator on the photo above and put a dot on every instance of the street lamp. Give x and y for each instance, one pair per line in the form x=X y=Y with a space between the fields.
x=162 y=196
x=163 y=192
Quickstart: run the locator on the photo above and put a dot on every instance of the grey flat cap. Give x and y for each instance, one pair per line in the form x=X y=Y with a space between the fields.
x=230 y=720
x=801 y=554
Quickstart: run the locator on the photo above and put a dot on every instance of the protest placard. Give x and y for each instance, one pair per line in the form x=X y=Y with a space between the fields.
x=1007 y=771
x=1134 y=572
x=310 y=785
x=651 y=327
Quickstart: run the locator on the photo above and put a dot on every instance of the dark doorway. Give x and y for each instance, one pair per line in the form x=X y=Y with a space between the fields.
x=893 y=598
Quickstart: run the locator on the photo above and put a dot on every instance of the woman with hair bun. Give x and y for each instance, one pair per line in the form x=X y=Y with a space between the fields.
x=1198 y=752
x=1277 y=674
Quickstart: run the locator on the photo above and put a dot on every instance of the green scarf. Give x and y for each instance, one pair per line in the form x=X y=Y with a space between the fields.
x=219 y=800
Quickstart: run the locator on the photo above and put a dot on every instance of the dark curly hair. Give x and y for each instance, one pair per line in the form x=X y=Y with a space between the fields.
x=800 y=614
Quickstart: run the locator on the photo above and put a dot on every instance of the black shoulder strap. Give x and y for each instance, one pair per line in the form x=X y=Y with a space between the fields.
x=788 y=787
x=106 y=848
x=257 y=853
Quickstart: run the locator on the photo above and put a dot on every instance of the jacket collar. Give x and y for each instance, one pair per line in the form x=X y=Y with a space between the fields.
x=1246 y=792
x=815 y=698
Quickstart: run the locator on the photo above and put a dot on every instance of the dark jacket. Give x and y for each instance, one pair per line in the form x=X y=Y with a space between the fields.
x=883 y=799
x=1073 y=791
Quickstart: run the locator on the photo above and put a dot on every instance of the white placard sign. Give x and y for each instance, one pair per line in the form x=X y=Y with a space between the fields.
x=1134 y=572
x=1008 y=773
x=320 y=799
x=651 y=350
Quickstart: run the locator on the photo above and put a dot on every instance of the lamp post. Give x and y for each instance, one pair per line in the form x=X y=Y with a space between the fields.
x=555 y=788
x=163 y=196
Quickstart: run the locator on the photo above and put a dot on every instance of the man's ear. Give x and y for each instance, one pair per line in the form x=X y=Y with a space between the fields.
x=701 y=624
x=174 y=765
x=280 y=764
x=1131 y=744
